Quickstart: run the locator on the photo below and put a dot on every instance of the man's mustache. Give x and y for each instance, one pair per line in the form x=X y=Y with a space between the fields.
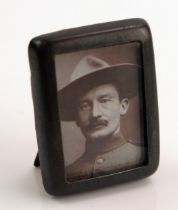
x=96 y=122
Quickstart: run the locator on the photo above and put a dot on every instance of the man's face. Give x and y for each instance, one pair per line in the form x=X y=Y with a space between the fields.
x=99 y=112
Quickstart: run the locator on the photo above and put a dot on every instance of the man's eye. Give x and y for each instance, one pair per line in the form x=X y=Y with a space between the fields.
x=84 y=106
x=105 y=100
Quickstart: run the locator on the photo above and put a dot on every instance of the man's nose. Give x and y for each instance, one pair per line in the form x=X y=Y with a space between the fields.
x=96 y=110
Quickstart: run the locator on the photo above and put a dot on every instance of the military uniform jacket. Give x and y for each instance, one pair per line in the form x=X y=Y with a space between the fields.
x=105 y=159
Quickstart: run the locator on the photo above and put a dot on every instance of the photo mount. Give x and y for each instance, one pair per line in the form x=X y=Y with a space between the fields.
x=42 y=50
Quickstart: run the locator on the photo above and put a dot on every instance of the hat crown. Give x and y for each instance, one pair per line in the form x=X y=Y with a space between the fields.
x=87 y=65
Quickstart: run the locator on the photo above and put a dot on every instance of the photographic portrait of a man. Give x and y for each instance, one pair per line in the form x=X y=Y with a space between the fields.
x=96 y=98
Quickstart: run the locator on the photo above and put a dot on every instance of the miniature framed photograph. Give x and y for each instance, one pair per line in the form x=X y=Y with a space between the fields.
x=95 y=103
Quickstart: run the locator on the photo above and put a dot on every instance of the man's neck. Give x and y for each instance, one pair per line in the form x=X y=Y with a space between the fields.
x=104 y=145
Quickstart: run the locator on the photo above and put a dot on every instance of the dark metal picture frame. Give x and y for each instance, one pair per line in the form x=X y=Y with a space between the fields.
x=42 y=51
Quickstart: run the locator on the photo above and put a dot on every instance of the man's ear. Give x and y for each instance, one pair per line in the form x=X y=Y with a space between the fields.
x=124 y=105
x=77 y=123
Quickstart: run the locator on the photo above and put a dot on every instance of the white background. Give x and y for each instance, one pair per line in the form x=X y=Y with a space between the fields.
x=20 y=183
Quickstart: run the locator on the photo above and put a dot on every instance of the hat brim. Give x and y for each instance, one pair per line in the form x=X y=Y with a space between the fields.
x=124 y=77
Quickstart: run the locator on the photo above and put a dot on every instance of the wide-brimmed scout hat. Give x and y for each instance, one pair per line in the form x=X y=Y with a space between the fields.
x=91 y=72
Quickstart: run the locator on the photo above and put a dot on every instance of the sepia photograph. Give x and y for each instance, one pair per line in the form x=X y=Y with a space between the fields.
x=101 y=110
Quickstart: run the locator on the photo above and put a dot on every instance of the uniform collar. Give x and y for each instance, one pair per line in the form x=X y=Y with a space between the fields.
x=100 y=147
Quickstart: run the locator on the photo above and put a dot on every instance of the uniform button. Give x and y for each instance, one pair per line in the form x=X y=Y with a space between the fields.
x=100 y=160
